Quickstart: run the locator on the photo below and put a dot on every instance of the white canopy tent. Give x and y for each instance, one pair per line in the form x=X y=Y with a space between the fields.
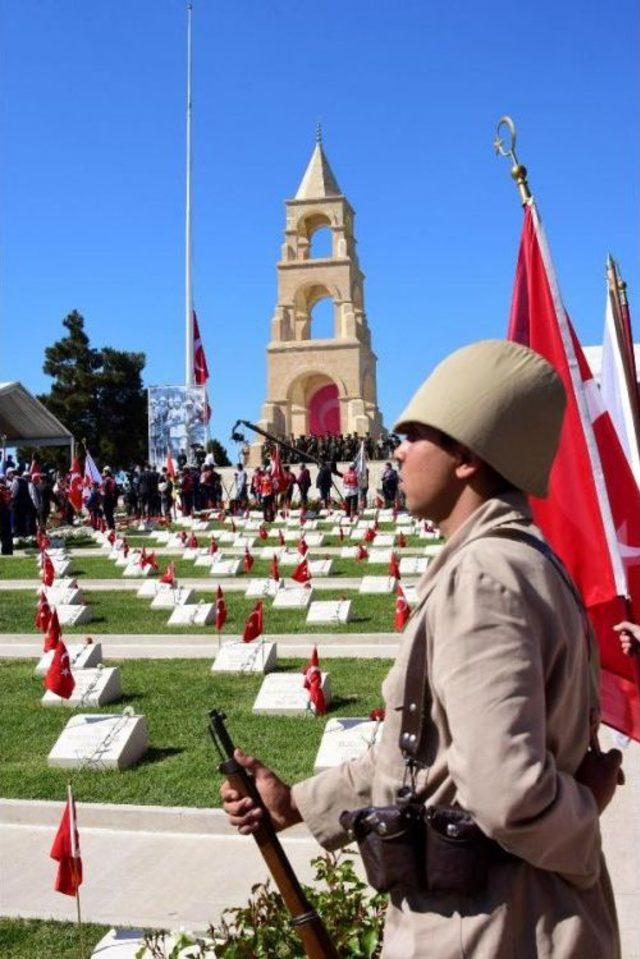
x=24 y=421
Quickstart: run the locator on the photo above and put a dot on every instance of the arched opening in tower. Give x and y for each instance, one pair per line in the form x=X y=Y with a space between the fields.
x=324 y=411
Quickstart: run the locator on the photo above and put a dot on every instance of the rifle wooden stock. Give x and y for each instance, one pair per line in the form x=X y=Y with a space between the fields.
x=306 y=921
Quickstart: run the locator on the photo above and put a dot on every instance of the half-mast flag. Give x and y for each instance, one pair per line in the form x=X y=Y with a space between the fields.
x=591 y=516
x=200 y=368
x=66 y=850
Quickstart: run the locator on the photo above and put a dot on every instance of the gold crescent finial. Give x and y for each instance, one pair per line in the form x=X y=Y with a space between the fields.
x=518 y=171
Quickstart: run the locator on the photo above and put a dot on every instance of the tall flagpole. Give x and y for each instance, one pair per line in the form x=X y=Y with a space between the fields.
x=188 y=299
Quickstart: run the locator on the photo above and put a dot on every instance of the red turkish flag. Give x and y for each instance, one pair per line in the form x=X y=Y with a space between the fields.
x=48 y=572
x=221 y=609
x=111 y=538
x=301 y=573
x=361 y=552
x=193 y=541
x=59 y=678
x=76 y=485
x=591 y=516
x=66 y=850
x=213 y=546
x=43 y=614
x=262 y=532
x=169 y=575
x=275 y=569
x=200 y=368
x=313 y=683
x=369 y=535
x=278 y=477
x=53 y=633
x=303 y=549
x=394 y=567
x=281 y=538
x=401 y=540
x=247 y=560
x=253 y=625
x=402 y=609
x=148 y=560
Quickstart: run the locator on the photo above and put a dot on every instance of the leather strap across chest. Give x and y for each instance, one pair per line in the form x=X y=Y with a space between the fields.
x=417 y=691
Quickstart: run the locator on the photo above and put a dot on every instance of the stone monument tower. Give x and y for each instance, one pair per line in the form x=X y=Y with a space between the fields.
x=318 y=386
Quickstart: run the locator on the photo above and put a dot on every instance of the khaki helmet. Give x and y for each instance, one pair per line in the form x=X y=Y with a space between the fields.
x=502 y=401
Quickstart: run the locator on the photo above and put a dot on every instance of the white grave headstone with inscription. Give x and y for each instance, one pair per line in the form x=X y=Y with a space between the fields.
x=330 y=611
x=377 y=584
x=283 y=694
x=344 y=740
x=348 y=552
x=380 y=555
x=413 y=565
x=433 y=549
x=81 y=656
x=168 y=598
x=135 y=571
x=253 y=657
x=384 y=539
x=72 y=615
x=198 y=614
x=257 y=588
x=67 y=596
x=225 y=567
x=293 y=598
x=320 y=567
x=100 y=741
x=94 y=687
x=205 y=559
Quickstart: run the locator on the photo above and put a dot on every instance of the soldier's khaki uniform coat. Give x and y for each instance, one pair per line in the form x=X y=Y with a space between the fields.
x=512 y=682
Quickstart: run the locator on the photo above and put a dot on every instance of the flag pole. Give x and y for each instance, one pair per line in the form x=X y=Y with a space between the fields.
x=188 y=296
x=72 y=830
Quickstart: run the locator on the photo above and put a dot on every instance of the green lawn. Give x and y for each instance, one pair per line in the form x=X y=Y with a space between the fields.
x=124 y=612
x=175 y=695
x=99 y=567
x=39 y=939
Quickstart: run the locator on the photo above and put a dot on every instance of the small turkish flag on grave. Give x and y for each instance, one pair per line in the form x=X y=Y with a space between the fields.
x=48 y=572
x=253 y=625
x=401 y=540
x=149 y=560
x=247 y=560
x=275 y=569
x=402 y=609
x=301 y=573
x=281 y=538
x=369 y=536
x=262 y=532
x=303 y=549
x=394 y=567
x=361 y=552
x=43 y=614
x=53 y=633
x=112 y=537
x=193 y=542
x=221 y=609
x=59 y=678
x=313 y=683
x=66 y=851
x=213 y=546
x=169 y=575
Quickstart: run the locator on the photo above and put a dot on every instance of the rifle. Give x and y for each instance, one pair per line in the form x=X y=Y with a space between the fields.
x=306 y=921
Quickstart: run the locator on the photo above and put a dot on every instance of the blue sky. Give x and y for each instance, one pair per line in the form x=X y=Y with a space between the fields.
x=92 y=172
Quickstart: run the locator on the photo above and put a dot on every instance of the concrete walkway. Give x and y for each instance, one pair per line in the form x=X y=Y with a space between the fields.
x=205 y=645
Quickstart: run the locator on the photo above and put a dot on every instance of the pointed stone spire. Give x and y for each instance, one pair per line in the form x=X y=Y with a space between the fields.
x=318 y=181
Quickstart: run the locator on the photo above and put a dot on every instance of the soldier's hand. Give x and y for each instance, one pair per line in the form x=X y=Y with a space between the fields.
x=602 y=773
x=276 y=795
x=629 y=634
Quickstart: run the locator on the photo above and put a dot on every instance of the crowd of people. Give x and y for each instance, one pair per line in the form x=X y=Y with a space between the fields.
x=29 y=496
x=337 y=449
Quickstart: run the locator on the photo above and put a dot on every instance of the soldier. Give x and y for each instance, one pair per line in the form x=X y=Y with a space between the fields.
x=492 y=703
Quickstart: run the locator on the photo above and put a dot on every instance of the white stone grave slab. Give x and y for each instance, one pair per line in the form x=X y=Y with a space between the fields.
x=60 y=582
x=60 y=552
x=129 y=560
x=410 y=593
x=168 y=598
x=150 y=588
x=253 y=657
x=161 y=536
x=377 y=584
x=226 y=536
x=433 y=549
x=174 y=541
x=196 y=614
x=136 y=571
x=257 y=588
x=335 y=531
x=283 y=694
x=293 y=598
x=243 y=542
x=348 y=552
x=72 y=615
x=313 y=539
x=81 y=656
x=94 y=687
x=100 y=741
x=225 y=567
x=292 y=535
x=384 y=539
x=309 y=524
x=62 y=567
x=344 y=740
x=413 y=565
x=379 y=555
x=192 y=552
x=385 y=515
x=205 y=559
x=320 y=567
x=67 y=596
x=268 y=552
x=290 y=557
x=330 y=611
x=251 y=525
x=404 y=519
x=200 y=525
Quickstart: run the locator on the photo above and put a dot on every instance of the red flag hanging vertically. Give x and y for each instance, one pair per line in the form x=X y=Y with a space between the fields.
x=591 y=516
x=402 y=612
x=301 y=573
x=48 y=571
x=43 y=614
x=394 y=567
x=247 y=560
x=274 y=572
x=59 y=678
x=169 y=575
x=66 y=850
x=221 y=609
x=277 y=473
x=53 y=633
x=313 y=683
x=200 y=368
x=254 y=624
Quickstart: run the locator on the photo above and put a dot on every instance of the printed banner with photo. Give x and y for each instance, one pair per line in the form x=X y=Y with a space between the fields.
x=177 y=421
